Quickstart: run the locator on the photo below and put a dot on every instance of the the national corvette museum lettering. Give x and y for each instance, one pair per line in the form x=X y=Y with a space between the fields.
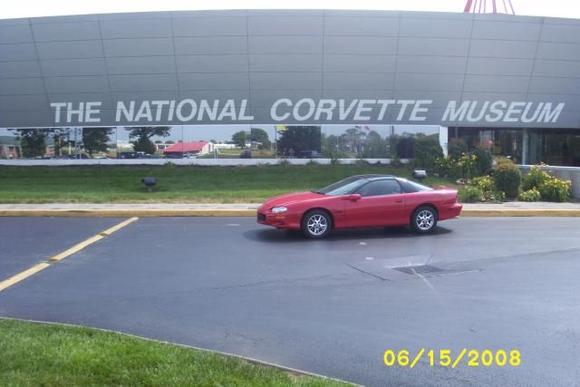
x=190 y=111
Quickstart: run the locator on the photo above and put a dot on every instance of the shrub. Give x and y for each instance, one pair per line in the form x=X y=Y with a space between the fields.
x=535 y=178
x=456 y=147
x=443 y=166
x=555 y=190
x=470 y=194
x=486 y=185
x=283 y=162
x=427 y=150
x=483 y=162
x=507 y=178
x=467 y=163
x=497 y=196
x=334 y=161
x=312 y=162
x=531 y=195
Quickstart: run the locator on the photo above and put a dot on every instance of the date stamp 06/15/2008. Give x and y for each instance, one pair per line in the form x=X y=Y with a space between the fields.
x=448 y=358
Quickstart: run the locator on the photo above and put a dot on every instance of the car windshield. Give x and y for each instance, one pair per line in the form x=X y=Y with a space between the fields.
x=343 y=187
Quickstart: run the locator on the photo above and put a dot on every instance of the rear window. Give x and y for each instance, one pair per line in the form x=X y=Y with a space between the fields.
x=411 y=186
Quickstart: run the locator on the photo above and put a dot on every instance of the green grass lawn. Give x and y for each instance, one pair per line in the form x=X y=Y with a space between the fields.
x=33 y=354
x=102 y=184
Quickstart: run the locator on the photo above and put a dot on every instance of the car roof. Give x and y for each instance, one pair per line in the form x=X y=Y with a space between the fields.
x=373 y=176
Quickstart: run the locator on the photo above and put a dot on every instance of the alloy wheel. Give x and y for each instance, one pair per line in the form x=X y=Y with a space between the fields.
x=425 y=220
x=317 y=224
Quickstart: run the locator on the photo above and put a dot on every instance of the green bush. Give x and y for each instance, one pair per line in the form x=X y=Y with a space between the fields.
x=483 y=162
x=531 y=195
x=507 y=178
x=443 y=166
x=467 y=163
x=427 y=150
x=555 y=190
x=470 y=194
x=497 y=196
x=456 y=147
x=485 y=184
x=535 y=178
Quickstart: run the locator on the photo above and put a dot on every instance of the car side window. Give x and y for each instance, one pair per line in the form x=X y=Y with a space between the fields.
x=380 y=187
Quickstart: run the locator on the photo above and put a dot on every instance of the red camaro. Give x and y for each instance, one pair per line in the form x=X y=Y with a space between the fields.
x=361 y=201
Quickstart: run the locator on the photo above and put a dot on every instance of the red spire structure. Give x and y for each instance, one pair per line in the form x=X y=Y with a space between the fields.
x=489 y=6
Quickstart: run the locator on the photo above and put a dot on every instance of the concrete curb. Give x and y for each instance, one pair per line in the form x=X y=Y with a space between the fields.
x=144 y=213
x=510 y=212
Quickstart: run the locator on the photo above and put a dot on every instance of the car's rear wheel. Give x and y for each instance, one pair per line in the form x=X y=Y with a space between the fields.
x=424 y=219
x=316 y=224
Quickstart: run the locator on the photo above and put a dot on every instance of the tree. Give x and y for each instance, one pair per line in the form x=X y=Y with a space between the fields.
x=406 y=147
x=375 y=146
x=354 y=138
x=60 y=138
x=95 y=139
x=427 y=150
x=260 y=136
x=33 y=141
x=299 y=138
x=142 y=136
x=240 y=138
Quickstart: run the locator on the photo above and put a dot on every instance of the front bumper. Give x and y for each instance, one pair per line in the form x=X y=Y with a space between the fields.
x=283 y=220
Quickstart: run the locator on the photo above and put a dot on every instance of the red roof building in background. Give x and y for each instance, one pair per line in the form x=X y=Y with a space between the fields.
x=188 y=148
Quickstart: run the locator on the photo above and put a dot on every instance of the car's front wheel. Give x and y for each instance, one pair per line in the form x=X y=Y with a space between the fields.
x=424 y=219
x=316 y=224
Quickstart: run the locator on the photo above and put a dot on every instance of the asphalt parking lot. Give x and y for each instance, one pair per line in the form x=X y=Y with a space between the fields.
x=332 y=306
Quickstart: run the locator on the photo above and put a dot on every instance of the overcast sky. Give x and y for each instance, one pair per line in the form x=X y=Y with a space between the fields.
x=30 y=8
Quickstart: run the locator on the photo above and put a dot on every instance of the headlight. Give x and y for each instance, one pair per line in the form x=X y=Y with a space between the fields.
x=278 y=210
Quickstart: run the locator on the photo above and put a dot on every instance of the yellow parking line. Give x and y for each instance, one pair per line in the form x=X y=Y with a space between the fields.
x=5 y=284
x=75 y=249
x=23 y=275
x=113 y=229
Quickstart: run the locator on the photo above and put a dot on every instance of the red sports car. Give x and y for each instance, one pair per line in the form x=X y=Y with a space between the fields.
x=361 y=201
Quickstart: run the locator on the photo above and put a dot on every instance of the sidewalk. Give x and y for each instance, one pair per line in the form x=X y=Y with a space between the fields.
x=249 y=209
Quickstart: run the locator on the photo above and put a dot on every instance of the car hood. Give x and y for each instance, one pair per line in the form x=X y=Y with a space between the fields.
x=287 y=199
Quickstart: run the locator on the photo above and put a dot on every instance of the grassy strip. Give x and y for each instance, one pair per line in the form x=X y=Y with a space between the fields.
x=105 y=184
x=33 y=354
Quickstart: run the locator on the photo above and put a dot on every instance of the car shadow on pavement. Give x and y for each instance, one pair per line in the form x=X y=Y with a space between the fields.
x=286 y=236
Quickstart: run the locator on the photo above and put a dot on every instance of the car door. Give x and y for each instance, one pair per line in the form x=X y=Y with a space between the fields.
x=381 y=203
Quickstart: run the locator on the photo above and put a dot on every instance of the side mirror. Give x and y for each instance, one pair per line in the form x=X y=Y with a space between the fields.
x=353 y=197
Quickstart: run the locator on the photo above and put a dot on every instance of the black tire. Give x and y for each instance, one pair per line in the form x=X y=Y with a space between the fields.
x=316 y=224
x=424 y=220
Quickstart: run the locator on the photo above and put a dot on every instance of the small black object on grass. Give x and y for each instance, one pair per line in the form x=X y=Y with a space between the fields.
x=149 y=182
